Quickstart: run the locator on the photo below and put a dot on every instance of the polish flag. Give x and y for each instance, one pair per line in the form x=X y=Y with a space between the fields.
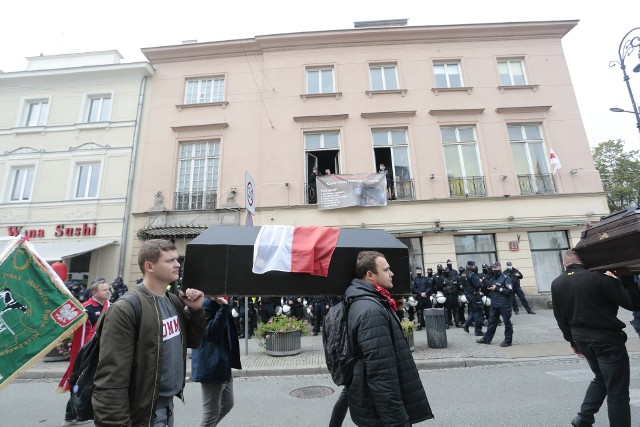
x=294 y=249
x=555 y=162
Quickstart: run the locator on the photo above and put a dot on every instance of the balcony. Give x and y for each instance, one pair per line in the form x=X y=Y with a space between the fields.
x=194 y=201
x=403 y=189
x=536 y=184
x=472 y=186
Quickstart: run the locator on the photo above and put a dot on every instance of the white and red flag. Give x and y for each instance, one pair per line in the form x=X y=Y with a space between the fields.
x=294 y=249
x=554 y=161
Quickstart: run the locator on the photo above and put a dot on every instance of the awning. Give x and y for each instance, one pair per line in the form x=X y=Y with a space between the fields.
x=56 y=251
x=171 y=231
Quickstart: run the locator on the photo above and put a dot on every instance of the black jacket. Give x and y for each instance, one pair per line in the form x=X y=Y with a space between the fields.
x=585 y=305
x=501 y=295
x=386 y=389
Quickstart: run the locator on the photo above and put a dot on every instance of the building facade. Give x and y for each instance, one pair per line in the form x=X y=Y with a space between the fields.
x=465 y=117
x=68 y=132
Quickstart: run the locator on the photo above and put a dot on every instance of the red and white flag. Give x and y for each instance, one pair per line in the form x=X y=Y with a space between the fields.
x=555 y=162
x=294 y=249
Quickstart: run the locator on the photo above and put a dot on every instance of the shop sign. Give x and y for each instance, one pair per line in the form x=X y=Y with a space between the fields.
x=61 y=230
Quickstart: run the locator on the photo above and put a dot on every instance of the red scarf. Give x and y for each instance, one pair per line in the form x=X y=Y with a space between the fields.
x=385 y=293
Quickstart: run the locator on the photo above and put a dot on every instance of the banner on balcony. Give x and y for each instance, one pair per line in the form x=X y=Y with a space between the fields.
x=36 y=309
x=343 y=191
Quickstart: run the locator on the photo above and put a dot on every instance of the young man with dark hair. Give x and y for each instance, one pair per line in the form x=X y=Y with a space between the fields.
x=386 y=388
x=136 y=379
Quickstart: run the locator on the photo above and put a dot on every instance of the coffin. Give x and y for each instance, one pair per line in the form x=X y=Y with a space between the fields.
x=613 y=242
x=219 y=262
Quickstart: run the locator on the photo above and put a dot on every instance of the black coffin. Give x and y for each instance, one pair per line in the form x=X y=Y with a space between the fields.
x=613 y=242
x=219 y=262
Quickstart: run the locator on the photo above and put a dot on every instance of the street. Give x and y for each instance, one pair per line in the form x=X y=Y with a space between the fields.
x=539 y=393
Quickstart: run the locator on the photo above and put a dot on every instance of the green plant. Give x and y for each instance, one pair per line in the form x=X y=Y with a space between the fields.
x=408 y=327
x=277 y=324
x=64 y=347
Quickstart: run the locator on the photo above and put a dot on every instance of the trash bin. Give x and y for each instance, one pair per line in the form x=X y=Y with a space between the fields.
x=436 y=327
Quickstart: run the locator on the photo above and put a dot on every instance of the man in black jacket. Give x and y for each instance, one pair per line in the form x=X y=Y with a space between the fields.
x=585 y=305
x=386 y=389
x=515 y=275
x=422 y=287
x=501 y=291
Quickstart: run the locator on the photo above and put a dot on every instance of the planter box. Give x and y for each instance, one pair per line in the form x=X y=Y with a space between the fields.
x=55 y=356
x=284 y=343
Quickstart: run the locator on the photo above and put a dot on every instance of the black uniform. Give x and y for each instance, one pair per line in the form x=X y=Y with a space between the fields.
x=238 y=304
x=472 y=289
x=515 y=275
x=319 y=307
x=422 y=288
x=500 y=306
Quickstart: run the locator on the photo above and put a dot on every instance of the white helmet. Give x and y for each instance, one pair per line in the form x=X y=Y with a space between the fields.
x=304 y=303
x=486 y=300
x=433 y=299
x=234 y=312
x=462 y=298
x=440 y=298
x=286 y=308
x=310 y=310
x=412 y=301
x=278 y=310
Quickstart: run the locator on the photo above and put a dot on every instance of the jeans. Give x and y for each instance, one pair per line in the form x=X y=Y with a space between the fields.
x=217 y=401
x=164 y=415
x=339 y=409
x=610 y=364
x=494 y=315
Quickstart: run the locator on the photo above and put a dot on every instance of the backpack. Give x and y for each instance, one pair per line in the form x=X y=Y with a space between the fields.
x=338 y=348
x=86 y=363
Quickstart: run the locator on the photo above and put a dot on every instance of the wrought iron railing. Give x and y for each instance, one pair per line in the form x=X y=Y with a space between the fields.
x=200 y=200
x=472 y=186
x=536 y=184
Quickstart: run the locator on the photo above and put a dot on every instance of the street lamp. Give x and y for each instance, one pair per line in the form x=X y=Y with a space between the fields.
x=627 y=46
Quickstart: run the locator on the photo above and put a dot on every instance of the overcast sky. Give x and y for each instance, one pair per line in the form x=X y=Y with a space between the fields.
x=69 y=26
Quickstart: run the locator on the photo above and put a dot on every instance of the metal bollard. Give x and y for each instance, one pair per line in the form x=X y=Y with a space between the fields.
x=435 y=322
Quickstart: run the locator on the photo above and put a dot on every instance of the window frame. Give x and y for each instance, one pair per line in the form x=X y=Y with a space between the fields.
x=28 y=181
x=200 y=92
x=79 y=165
x=43 y=117
x=390 y=144
x=382 y=66
x=90 y=98
x=215 y=175
x=527 y=142
x=320 y=69
x=447 y=63
x=459 y=145
x=508 y=62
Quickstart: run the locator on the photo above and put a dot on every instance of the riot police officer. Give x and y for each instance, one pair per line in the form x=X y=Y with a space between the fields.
x=501 y=292
x=514 y=274
x=319 y=307
x=238 y=303
x=447 y=286
x=422 y=287
x=119 y=289
x=472 y=287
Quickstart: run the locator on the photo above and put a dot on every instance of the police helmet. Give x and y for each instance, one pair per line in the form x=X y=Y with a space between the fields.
x=462 y=299
x=234 y=312
x=286 y=308
x=278 y=310
x=412 y=301
x=440 y=298
x=486 y=301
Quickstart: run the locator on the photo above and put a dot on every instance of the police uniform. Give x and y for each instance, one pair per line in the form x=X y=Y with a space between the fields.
x=472 y=288
x=500 y=306
x=514 y=274
x=422 y=287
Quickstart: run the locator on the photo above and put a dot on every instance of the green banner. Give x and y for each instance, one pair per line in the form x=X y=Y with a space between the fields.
x=36 y=310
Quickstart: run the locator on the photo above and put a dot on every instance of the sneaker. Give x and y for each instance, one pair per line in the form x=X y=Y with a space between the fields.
x=483 y=341
x=505 y=344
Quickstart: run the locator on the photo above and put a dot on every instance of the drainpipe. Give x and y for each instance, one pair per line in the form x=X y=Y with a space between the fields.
x=132 y=169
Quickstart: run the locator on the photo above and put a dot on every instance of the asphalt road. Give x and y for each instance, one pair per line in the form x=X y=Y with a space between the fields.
x=542 y=393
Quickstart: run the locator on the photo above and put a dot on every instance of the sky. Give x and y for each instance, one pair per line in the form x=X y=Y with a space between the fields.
x=33 y=27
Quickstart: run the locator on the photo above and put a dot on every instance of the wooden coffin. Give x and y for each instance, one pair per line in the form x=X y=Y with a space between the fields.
x=613 y=242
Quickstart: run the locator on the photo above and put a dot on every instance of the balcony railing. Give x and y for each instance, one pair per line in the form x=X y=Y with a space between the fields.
x=403 y=189
x=191 y=201
x=536 y=184
x=472 y=186
x=311 y=194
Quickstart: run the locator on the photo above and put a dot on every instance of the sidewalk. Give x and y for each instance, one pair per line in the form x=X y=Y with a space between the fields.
x=535 y=337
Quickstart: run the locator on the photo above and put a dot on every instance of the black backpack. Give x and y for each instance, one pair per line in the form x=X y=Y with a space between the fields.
x=86 y=363
x=338 y=348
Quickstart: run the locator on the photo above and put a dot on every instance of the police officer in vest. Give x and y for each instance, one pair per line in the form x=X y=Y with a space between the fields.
x=514 y=274
x=421 y=287
x=449 y=289
x=501 y=291
x=472 y=288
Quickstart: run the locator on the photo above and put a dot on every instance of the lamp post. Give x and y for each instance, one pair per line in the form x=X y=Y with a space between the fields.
x=627 y=46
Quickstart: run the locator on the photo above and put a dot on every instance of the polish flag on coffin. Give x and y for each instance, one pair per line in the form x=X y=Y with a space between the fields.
x=294 y=249
x=555 y=161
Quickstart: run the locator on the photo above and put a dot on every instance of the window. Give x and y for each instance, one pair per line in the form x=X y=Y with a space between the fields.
x=511 y=72
x=36 y=112
x=87 y=179
x=390 y=148
x=480 y=248
x=462 y=161
x=415 y=252
x=204 y=91
x=198 y=175
x=530 y=160
x=546 y=252
x=99 y=108
x=384 y=77
x=447 y=75
x=322 y=151
x=22 y=183
x=320 y=80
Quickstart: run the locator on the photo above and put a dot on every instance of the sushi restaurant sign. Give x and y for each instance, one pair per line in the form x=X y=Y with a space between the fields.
x=60 y=230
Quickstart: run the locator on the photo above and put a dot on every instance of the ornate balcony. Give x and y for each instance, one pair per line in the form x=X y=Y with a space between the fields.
x=472 y=186
x=194 y=201
x=536 y=184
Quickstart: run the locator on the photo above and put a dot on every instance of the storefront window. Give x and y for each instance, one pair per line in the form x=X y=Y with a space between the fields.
x=480 y=248
x=546 y=252
x=415 y=253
